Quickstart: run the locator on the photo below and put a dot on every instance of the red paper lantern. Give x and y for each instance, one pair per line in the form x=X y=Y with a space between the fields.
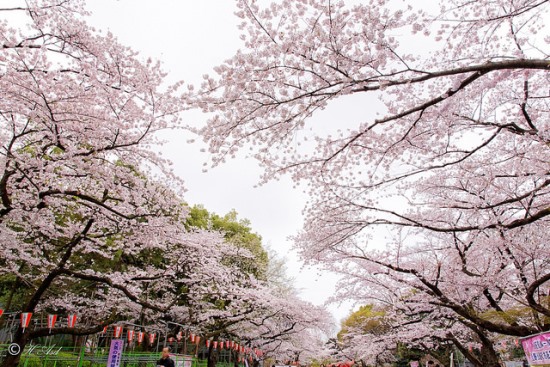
x=71 y=321
x=118 y=331
x=25 y=319
x=51 y=321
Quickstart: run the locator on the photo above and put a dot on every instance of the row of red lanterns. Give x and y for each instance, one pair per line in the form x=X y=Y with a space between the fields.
x=227 y=344
x=131 y=334
x=52 y=319
x=195 y=339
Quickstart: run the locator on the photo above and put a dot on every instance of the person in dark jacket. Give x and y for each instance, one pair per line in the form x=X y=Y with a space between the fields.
x=165 y=359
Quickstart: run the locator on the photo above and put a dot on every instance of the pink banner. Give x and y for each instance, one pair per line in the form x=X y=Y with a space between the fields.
x=537 y=349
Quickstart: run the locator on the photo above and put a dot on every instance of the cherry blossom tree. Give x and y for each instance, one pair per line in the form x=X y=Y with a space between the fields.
x=444 y=193
x=288 y=328
x=233 y=305
x=434 y=286
x=83 y=197
x=92 y=220
x=425 y=330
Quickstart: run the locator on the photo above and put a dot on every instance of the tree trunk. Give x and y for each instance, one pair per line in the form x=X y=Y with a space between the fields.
x=489 y=357
x=20 y=339
x=236 y=360
x=212 y=358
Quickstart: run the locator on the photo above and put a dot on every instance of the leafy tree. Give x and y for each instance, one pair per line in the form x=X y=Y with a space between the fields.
x=367 y=319
x=236 y=232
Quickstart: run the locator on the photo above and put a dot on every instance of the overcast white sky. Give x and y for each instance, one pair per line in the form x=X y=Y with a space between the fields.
x=190 y=38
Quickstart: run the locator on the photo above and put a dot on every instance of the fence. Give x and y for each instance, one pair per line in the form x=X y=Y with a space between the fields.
x=64 y=350
x=53 y=356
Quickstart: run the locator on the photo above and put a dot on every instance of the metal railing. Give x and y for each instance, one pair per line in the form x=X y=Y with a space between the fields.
x=54 y=356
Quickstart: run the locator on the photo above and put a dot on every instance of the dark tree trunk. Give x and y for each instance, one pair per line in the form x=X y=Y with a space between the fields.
x=486 y=357
x=489 y=357
x=20 y=340
x=212 y=357
x=236 y=359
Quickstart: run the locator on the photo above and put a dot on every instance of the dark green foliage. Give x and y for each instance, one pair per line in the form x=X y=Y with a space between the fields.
x=237 y=232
